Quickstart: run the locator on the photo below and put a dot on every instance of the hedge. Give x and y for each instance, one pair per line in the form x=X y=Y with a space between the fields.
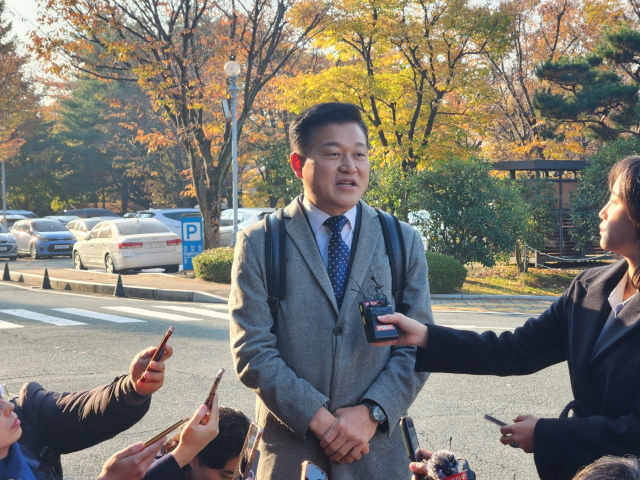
x=446 y=274
x=214 y=265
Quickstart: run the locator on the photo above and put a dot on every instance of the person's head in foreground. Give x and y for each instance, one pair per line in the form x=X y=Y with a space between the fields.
x=611 y=468
x=330 y=155
x=218 y=460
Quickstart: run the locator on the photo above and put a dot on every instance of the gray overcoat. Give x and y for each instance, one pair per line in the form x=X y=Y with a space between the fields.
x=319 y=355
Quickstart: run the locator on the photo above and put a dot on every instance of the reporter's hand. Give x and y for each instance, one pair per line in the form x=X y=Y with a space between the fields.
x=154 y=377
x=420 y=467
x=132 y=462
x=521 y=431
x=410 y=332
x=348 y=438
x=194 y=436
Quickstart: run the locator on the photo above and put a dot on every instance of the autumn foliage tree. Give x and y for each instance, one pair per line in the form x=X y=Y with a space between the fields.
x=176 y=51
x=18 y=102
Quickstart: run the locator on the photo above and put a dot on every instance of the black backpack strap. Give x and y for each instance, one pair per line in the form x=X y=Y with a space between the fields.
x=275 y=261
x=394 y=242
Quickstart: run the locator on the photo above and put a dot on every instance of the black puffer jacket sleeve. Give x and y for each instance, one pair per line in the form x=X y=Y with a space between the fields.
x=68 y=422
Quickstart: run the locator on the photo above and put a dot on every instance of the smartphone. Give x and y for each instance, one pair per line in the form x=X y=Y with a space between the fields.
x=411 y=441
x=501 y=424
x=159 y=351
x=311 y=472
x=248 y=452
x=494 y=420
x=166 y=432
x=212 y=393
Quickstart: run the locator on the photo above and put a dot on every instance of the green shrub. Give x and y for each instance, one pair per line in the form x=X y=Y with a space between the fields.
x=446 y=274
x=214 y=265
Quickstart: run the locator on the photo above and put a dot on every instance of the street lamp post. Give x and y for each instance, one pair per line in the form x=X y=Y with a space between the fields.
x=4 y=198
x=232 y=69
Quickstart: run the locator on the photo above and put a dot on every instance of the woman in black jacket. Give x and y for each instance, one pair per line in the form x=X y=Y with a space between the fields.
x=593 y=326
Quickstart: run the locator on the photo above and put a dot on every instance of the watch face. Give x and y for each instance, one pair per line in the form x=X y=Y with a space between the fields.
x=378 y=414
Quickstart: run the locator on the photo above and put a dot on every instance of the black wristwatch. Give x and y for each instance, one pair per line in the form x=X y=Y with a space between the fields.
x=376 y=412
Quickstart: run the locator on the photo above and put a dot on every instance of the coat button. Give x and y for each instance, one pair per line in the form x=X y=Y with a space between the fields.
x=337 y=331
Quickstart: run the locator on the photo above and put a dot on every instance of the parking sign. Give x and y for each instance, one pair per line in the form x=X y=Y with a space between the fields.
x=192 y=243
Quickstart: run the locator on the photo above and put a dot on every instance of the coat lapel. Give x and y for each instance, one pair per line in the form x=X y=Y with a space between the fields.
x=302 y=237
x=368 y=238
x=625 y=327
x=592 y=316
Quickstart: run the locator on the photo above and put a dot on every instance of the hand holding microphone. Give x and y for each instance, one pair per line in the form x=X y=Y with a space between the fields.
x=410 y=331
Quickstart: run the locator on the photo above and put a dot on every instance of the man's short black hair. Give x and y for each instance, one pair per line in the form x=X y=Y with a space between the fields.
x=233 y=427
x=301 y=129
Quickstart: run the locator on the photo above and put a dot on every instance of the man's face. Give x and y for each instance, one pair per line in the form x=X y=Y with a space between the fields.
x=200 y=472
x=335 y=170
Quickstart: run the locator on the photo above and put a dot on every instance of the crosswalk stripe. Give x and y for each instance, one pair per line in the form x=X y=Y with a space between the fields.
x=197 y=311
x=9 y=325
x=152 y=313
x=98 y=315
x=219 y=306
x=41 y=317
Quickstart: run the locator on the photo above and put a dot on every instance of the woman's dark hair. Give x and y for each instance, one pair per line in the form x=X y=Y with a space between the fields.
x=628 y=171
x=301 y=129
x=233 y=427
x=611 y=468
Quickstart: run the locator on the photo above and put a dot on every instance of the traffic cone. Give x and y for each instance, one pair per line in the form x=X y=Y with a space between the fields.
x=119 y=291
x=5 y=276
x=46 y=284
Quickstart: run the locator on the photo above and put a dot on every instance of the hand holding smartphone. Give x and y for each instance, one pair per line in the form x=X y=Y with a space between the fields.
x=212 y=394
x=501 y=424
x=159 y=351
x=411 y=441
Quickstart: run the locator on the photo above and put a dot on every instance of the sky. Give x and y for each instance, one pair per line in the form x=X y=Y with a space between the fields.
x=23 y=14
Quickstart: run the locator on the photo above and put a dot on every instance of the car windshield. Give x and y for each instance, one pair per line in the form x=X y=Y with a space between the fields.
x=48 y=226
x=145 y=215
x=136 y=228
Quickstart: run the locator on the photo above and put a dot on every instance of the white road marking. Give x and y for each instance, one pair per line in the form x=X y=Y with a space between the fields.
x=151 y=313
x=9 y=325
x=99 y=316
x=219 y=306
x=41 y=317
x=197 y=311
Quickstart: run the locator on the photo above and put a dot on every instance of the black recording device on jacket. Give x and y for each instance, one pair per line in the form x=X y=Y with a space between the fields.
x=370 y=310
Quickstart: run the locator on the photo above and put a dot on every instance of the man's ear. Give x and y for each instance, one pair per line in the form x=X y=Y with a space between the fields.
x=297 y=163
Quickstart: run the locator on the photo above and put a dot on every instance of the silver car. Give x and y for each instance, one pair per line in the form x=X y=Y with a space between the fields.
x=8 y=245
x=246 y=217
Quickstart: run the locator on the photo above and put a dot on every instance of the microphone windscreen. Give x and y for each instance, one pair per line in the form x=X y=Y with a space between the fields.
x=442 y=464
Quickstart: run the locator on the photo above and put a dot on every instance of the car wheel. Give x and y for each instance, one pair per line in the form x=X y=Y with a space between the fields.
x=109 y=265
x=77 y=262
x=34 y=251
x=172 y=269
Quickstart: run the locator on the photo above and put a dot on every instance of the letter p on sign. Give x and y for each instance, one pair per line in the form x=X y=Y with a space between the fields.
x=191 y=232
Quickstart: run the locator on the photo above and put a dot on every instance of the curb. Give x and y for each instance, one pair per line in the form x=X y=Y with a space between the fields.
x=108 y=289
x=460 y=296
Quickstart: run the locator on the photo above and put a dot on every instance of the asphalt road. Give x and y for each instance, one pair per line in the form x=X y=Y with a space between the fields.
x=75 y=357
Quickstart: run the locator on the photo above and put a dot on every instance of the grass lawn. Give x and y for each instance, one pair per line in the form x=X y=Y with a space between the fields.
x=505 y=280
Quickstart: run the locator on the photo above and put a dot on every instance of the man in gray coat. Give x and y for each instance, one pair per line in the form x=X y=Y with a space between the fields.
x=323 y=393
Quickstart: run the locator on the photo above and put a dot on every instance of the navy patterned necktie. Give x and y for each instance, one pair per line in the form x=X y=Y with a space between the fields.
x=338 y=257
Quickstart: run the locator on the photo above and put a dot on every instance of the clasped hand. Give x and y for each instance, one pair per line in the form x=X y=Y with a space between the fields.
x=347 y=437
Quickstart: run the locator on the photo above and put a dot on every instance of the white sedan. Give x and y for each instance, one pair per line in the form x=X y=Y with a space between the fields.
x=129 y=244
